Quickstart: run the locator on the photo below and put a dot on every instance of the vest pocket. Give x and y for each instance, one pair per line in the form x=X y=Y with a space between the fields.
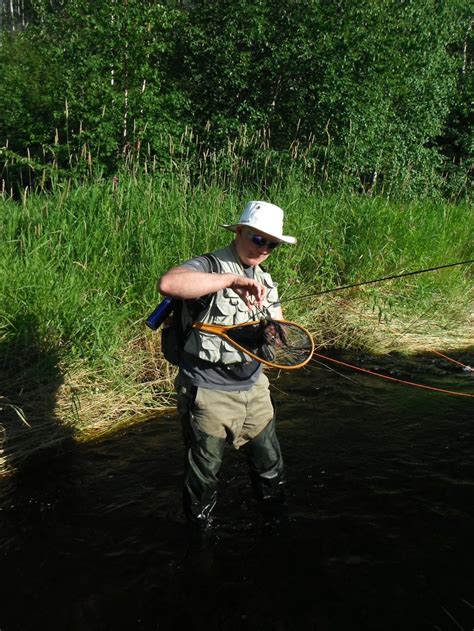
x=224 y=311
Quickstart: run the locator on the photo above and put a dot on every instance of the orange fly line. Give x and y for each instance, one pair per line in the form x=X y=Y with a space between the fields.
x=407 y=383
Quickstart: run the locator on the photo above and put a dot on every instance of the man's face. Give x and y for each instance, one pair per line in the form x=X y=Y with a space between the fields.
x=248 y=248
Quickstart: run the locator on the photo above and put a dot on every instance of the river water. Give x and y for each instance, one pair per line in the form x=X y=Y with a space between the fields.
x=380 y=533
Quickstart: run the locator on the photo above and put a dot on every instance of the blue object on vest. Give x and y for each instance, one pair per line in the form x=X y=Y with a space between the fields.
x=159 y=315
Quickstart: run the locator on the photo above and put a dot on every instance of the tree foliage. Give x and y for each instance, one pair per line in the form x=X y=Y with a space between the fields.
x=371 y=84
x=375 y=92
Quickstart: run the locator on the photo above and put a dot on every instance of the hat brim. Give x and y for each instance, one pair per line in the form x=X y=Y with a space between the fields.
x=282 y=239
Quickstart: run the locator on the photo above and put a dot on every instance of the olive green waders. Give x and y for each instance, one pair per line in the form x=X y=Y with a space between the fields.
x=204 y=454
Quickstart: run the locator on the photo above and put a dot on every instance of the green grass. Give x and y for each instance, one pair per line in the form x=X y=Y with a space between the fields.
x=83 y=262
x=79 y=264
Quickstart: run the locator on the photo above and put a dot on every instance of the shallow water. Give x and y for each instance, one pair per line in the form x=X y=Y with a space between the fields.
x=380 y=536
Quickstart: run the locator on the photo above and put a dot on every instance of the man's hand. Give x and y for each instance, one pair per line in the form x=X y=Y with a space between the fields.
x=251 y=292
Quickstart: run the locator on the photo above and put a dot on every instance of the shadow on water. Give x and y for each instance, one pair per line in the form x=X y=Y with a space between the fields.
x=379 y=537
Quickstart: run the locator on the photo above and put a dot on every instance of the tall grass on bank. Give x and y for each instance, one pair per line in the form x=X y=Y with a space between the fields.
x=82 y=263
x=248 y=159
x=78 y=270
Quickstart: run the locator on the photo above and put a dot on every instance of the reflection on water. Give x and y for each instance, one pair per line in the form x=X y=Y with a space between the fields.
x=380 y=534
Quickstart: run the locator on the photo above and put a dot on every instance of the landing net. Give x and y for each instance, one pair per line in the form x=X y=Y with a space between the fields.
x=274 y=341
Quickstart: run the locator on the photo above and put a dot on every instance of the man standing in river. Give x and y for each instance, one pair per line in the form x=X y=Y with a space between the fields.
x=222 y=395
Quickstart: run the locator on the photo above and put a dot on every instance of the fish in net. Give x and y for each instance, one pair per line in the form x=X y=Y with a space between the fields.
x=274 y=341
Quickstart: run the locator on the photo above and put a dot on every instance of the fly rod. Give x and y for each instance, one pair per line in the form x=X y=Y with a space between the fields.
x=377 y=280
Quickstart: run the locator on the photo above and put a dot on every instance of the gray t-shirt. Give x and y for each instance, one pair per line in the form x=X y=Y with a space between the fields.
x=205 y=374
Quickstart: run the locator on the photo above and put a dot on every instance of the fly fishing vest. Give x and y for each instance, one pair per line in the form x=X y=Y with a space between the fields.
x=226 y=308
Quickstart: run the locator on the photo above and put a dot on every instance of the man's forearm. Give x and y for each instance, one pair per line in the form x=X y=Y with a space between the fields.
x=182 y=283
x=188 y=284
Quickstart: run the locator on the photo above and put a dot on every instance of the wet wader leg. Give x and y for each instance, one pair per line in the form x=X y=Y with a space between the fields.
x=266 y=468
x=203 y=460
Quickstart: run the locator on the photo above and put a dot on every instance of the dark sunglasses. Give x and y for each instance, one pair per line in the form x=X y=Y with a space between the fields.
x=261 y=241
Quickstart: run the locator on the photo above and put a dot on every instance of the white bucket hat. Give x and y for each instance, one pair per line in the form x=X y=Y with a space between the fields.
x=264 y=217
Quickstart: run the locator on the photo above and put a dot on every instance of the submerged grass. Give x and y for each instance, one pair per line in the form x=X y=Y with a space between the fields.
x=78 y=267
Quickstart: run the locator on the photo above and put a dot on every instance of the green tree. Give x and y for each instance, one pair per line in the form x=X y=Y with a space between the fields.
x=370 y=84
x=377 y=93
x=110 y=87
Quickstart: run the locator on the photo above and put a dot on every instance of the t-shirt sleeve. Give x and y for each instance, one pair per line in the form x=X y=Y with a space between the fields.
x=198 y=264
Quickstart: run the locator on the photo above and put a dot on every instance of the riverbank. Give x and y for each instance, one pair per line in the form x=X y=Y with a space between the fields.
x=84 y=404
x=78 y=267
x=103 y=410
